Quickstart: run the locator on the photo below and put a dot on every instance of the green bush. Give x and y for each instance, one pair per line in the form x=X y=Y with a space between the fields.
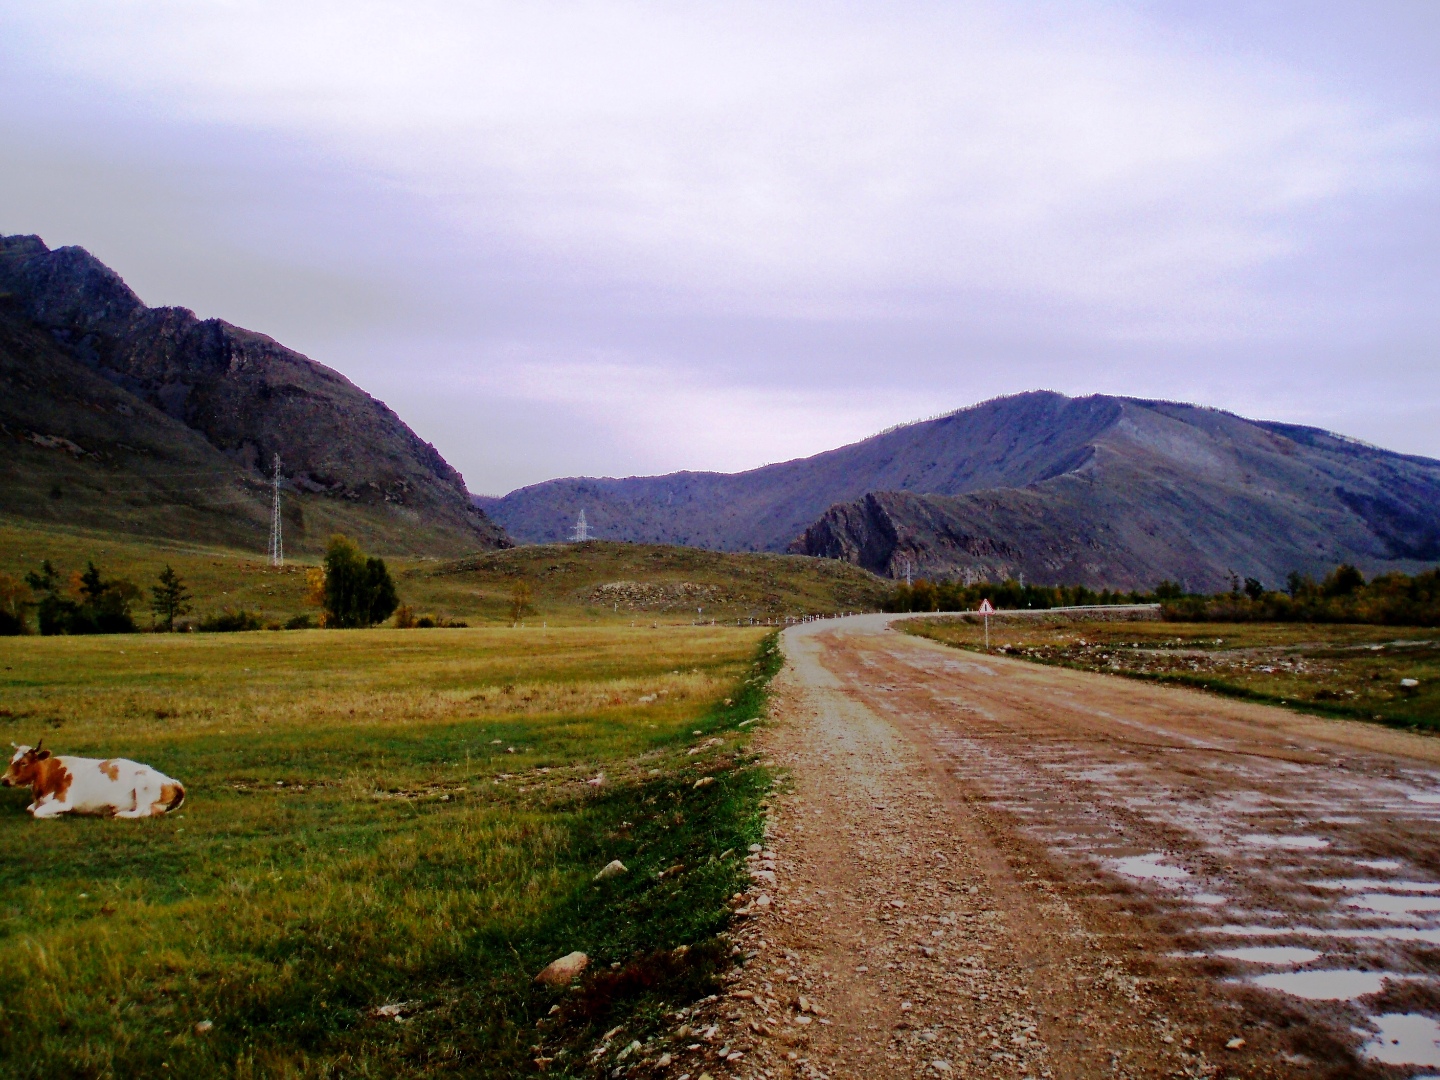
x=93 y=606
x=230 y=621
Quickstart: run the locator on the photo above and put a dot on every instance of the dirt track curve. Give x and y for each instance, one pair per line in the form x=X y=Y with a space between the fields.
x=984 y=867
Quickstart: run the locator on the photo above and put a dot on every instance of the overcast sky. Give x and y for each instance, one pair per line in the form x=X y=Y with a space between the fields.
x=564 y=238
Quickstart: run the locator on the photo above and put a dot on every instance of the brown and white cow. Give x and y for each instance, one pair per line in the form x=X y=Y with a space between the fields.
x=113 y=787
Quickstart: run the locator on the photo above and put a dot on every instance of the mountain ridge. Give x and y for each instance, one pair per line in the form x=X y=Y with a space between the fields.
x=1140 y=478
x=345 y=455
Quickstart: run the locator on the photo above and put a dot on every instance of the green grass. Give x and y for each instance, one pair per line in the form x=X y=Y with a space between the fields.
x=357 y=832
x=1332 y=669
x=590 y=584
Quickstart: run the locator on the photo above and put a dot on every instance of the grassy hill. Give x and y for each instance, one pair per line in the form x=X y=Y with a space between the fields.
x=596 y=582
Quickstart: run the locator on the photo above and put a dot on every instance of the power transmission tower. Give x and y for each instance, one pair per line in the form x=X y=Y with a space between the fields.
x=277 y=547
x=581 y=532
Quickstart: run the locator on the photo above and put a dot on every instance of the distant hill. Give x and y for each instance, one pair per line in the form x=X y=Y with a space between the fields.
x=605 y=580
x=118 y=416
x=1096 y=490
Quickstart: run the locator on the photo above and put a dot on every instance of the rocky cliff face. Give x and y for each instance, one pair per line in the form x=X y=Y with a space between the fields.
x=244 y=394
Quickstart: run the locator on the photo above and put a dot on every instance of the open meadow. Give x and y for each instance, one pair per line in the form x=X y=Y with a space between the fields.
x=1381 y=673
x=373 y=818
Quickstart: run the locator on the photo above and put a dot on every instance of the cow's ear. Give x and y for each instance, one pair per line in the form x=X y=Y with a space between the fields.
x=41 y=755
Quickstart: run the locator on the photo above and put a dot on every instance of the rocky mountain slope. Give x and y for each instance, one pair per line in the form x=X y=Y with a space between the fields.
x=1097 y=490
x=119 y=415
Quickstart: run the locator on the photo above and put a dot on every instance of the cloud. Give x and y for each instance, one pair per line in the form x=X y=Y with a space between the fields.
x=781 y=208
x=814 y=150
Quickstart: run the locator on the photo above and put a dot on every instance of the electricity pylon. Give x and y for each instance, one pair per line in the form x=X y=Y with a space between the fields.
x=581 y=532
x=277 y=547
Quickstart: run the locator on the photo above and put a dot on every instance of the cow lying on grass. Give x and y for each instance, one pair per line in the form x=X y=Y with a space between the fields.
x=113 y=787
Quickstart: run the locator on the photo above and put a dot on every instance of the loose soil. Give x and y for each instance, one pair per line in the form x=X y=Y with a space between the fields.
x=984 y=867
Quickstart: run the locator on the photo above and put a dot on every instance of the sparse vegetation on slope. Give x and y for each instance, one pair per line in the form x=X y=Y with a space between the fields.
x=379 y=824
x=637 y=582
x=592 y=583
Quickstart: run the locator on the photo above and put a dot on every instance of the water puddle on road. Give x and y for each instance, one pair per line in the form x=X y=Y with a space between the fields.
x=1291 y=955
x=1340 y=984
x=1286 y=843
x=1404 y=1039
x=1148 y=868
x=1377 y=885
x=1390 y=904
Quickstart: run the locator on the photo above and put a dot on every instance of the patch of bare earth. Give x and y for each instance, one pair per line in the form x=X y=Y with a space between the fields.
x=980 y=867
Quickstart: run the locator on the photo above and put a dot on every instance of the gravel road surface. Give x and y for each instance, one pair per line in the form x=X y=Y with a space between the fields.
x=982 y=867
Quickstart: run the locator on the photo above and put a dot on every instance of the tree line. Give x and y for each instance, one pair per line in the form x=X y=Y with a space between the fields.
x=1343 y=595
x=352 y=590
x=926 y=595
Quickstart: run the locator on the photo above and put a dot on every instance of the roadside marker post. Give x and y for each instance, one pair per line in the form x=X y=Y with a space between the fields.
x=986 y=609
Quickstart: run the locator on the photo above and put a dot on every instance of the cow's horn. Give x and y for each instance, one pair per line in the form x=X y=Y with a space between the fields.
x=38 y=745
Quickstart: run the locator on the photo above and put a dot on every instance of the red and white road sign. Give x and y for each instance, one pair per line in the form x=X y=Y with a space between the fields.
x=986 y=608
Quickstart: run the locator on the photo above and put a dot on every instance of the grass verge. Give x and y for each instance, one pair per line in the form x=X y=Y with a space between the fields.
x=375 y=819
x=1380 y=674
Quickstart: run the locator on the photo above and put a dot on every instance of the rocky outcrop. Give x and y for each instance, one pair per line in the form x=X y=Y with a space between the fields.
x=245 y=394
x=888 y=529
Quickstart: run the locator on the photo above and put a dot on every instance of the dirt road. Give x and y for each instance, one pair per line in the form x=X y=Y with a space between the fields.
x=982 y=867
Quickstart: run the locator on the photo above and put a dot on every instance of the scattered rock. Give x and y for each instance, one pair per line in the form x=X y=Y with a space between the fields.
x=597 y=780
x=204 y=1027
x=1235 y=1044
x=614 y=868
x=395 y=1011
x=565 y=970
x=704 y=781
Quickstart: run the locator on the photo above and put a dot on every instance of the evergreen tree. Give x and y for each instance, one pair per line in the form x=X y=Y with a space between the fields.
x=169 y=598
